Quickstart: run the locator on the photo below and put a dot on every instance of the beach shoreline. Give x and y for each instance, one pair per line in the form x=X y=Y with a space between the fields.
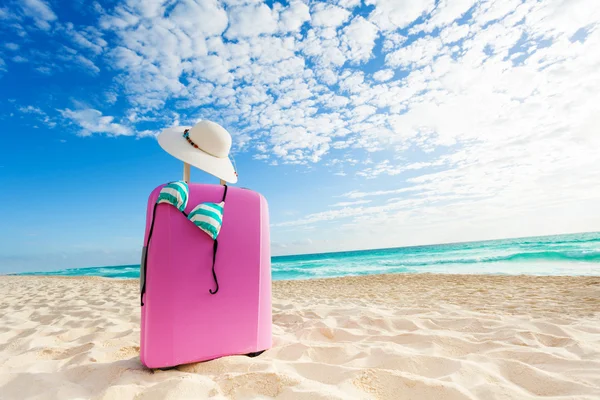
x=390 y=336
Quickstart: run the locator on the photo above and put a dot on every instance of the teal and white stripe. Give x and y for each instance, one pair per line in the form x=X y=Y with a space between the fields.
x=208 y=217
x=174 y=193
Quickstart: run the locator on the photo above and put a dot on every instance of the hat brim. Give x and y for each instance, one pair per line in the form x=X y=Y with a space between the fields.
x=173 y=142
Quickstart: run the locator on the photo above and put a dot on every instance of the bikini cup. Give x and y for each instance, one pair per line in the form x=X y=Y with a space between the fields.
x=206 y=216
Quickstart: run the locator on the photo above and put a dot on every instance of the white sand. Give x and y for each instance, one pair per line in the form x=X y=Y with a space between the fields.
x=378 y=337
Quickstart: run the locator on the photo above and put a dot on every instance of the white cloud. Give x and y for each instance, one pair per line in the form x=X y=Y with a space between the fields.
x=360 y=37
x=350 y=203
x=329 y=16
x=447 y=11
x=349 y=4
x=251 y=20
x=419 y=53
x=40 y=11
x=12 y=46
x=91 y=40
x=454 y=33
x=148 y=8
x=324 y=48
x=360 y=113
x=392 y=40
x=111 y=97
x=383 y=75
x=393 y=14
x=490 y=11
x=92 y=121
x=31 y=110
x=20 y=59
x=44 y=70
x=121 y=18
x=294 y=16
x=352 y=82
x=355 y=194
x=385 y=167
x=322 y=216
x=187 y=13
x=35 y=116
x=5 y=14
x=147 y=133
x=87 y=64
x=388 y=168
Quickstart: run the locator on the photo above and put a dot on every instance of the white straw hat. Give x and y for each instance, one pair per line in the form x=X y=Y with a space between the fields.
x=206 y=146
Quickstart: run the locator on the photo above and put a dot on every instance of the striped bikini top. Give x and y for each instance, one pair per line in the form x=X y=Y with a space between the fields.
x=206 y=216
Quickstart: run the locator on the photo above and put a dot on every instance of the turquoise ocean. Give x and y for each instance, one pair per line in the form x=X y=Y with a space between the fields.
x=573 y=254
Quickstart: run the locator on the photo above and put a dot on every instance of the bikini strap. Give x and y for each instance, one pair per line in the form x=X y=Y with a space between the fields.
x=145 y=256
x=215 y=247
x=224 y=193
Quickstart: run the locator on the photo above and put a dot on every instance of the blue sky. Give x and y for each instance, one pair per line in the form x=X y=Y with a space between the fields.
x=373 y=123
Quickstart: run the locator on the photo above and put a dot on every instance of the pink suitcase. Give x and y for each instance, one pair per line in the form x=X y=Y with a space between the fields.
x=181 y=321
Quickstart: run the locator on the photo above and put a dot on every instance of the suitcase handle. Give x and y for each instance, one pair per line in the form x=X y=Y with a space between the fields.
x=186 y=175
